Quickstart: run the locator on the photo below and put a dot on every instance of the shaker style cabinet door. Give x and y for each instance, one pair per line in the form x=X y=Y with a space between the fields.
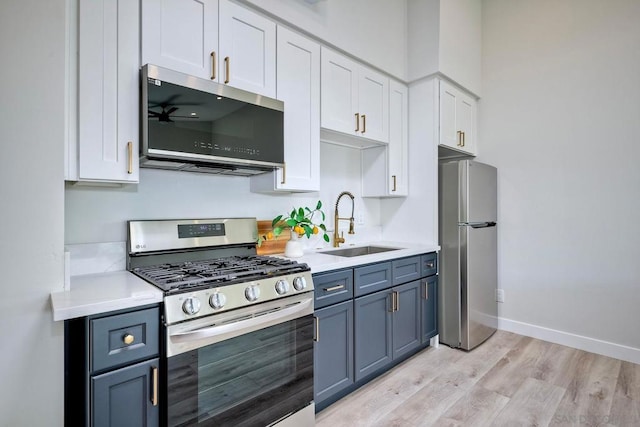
x=247 y=50
x=429 y=298
x=181 y=35
x=108 y=90
x=373 y=333
x=398 y=150
x=339 y=93
x=373 y=104
x=333 y=350
x=127 y=397
x=406 y=318
x=298 y=86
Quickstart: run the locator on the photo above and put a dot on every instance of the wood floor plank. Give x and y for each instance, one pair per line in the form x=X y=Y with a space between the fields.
x=533 y=404
x=515 y=367
x=589 y=398
x=478 y=407
x=625 y=408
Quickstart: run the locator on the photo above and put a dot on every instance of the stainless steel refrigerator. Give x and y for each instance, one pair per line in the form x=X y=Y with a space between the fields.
x=468 y=312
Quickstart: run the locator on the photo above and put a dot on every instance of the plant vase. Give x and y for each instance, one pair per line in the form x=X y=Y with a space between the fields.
x=293 y=248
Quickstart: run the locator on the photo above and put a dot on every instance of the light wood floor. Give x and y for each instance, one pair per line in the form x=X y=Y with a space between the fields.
x=510 y=380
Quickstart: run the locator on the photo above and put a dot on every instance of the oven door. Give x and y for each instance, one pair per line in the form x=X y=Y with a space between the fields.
x=247 y=367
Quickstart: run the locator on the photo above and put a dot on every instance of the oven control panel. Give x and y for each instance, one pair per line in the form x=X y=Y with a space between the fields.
x=205 y=302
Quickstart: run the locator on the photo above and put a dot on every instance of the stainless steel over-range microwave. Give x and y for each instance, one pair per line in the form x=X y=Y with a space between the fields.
x=197 y=125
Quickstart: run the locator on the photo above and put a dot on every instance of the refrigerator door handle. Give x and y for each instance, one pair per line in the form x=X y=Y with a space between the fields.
x=478 y=224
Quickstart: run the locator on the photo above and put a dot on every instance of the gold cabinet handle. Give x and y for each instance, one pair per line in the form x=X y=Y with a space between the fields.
x=393 y=302
x=334 y=288
x=426 y=289
x=459 y=138
x=463 y=139
x=364 y=123
x=226 y=70
x=284 y=173
x=357 y=122
x=397 y=301
x=317 y=336
x=213 y=65
x=395 y=187
x=128 y=339
x=154 y=387
x=130 y=157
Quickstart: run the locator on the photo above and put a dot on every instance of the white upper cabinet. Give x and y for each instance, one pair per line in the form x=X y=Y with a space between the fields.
x=181 y=35
x=445 y=36
x=247 y=50
x=385 y=168
x=354 y=100
x=107 y=139
x=298 y=86
x=211 y=39
x=457 y=119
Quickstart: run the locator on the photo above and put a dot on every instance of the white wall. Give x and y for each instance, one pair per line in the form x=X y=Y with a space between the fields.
x=94 y=215
x=560 y=118
x=374 y=31
x=31 y=210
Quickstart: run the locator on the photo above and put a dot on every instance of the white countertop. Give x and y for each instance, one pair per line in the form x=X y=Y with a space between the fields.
x=117 y=290
x=321 y=261
x=101 y=293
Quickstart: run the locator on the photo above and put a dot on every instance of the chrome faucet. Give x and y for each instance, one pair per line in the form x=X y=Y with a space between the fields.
x=340 y=239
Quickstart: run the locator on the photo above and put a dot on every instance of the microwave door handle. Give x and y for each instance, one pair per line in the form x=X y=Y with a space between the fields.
x=229 y=330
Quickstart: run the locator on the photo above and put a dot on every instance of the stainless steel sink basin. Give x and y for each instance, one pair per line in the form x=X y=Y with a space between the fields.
x=359 y=251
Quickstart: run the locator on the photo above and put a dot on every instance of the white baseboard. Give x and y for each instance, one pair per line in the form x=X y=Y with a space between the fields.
x=605 y=348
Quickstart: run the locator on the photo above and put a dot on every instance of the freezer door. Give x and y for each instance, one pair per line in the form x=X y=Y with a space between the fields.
x=478 y=192
x=478 y=283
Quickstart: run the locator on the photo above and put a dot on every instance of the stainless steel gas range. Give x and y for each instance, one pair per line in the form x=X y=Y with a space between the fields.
x=238 y=327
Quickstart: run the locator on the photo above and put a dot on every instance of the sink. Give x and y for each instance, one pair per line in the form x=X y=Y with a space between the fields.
x=359 y=251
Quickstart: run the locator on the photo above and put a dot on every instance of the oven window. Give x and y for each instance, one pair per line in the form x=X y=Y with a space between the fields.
x=253 y=379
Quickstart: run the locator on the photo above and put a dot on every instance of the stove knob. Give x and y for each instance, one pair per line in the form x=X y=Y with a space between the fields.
x=282 y=287
x=191 y=305
x=252 y=293
x=299 y=283
x=217 y=300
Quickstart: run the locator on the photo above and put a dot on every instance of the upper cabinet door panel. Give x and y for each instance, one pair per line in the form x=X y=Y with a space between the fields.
x=299 y=88
x=108 y=91
x=247 y=50
x=448 y=130
x=339 y=92
x=181 y=35
x=373 y=102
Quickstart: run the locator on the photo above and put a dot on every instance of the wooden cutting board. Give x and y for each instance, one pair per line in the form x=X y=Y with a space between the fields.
x=273 y=246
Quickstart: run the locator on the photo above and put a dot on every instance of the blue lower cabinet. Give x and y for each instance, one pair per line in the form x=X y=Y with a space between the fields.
x=406 y=318
x=126 y=397
x=373 y=333
x=429 y=298
x=333 y=350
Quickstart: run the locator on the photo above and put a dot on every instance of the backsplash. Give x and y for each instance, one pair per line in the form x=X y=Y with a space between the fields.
x=95 y=217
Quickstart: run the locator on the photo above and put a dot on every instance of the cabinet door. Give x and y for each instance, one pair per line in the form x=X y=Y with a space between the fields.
x=406 y=318
x=448 y=123
x=373 y=340
x=247 y=50
x=429 y=298
x=126 y=397
x=398 y=141
x=108 y=90
x=181 y=35
x=298 y=86
x=373 y=104
x=339 y=93
x=465 y=115
x=333 y=350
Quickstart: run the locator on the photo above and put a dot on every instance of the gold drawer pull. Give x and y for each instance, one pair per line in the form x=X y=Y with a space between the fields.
x=213 y=65
x=357 y=122
x=129 y=157
x=128 y=339
x=334 y=288
x=395 y=187
x=364 y=123
x=226 y=69
x=154 y=378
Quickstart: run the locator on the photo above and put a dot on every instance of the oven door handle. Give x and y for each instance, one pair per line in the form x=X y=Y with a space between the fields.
x=217 y=333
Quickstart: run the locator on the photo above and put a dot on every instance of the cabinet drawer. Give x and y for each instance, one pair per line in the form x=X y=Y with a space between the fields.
x=334 y=287
x=372 y=278
x=429 y=264
x=124 y=338
x=406 y=270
